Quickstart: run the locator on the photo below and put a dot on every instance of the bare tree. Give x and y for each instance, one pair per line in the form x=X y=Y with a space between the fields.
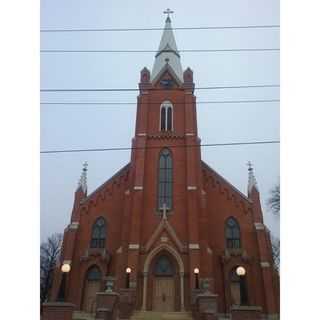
x=274 y=201
x=275 y=244
x=49 y=254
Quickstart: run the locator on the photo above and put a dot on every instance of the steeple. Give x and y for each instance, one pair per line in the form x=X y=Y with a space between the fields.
x=252 y=182
x=167 y=54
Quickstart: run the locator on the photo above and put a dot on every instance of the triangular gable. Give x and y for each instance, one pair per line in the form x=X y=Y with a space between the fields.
x=170 y=70
x=164 y=225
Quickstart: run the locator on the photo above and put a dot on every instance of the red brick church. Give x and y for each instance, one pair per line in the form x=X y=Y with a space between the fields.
x=167 y=227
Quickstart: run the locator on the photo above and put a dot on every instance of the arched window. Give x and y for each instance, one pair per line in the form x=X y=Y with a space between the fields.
x=164 y=267
x=238 y=289
x=165 y=180
x=232 y=233
x=98 y=236
x=166 y=116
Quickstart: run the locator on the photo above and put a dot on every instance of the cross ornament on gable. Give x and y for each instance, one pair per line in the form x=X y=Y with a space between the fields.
x=164 y=211
x=168 y=12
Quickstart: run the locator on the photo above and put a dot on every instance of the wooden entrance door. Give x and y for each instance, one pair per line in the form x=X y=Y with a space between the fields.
x=92 y=286
x=89 y=302
x=163 y=294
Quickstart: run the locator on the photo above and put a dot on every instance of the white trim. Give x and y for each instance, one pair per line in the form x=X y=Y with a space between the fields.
x=127 y=192
x=138 y=188
x=134 y=246
x=188 y=134
x=194 y=246
x=141 y=134
x=259 y=226
x=74 y=225
x=265 y=264
x=192 y=188
x=67 y=262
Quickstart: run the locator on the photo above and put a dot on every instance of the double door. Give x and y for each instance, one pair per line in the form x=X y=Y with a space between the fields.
x=163 y=294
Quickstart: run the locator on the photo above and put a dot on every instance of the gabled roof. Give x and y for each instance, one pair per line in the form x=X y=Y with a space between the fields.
x=212 y=171
x=167 y=54
x=109 y=181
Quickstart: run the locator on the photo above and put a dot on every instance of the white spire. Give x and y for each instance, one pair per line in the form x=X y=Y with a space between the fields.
x=83 y=178
x=167 y=52
x=252 y=182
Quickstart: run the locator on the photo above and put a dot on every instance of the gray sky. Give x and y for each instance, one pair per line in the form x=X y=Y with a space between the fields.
x=65 y=126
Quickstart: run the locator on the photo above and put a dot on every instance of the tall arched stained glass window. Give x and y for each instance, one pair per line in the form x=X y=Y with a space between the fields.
x=165 y=180
x=98 y=236
x=166 y=116
x=232 y=233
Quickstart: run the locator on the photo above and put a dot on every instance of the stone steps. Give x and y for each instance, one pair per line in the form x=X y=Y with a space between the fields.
x=152 y=315
x=80 y=315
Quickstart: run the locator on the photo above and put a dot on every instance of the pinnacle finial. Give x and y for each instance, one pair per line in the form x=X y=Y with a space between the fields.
x=83 y=178
x=252 y=182
x=168 y=12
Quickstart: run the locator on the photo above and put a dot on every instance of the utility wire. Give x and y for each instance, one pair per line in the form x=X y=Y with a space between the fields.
x=154 y=89
x=160 y=29
x=157 y=147
x=155 y=51
x=158 y=103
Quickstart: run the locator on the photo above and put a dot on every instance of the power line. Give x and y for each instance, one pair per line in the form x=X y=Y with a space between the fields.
x=153 y=89
x=160 y=29
x=155 y=51
x=157 y=147
x=158 y=103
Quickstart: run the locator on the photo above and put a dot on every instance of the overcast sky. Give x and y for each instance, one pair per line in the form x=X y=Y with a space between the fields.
x=89 y=126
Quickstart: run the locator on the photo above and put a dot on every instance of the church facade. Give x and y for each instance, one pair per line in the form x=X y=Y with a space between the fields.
x=167 y=223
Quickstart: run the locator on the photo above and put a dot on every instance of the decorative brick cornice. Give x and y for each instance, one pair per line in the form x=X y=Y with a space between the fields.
x=165 y=136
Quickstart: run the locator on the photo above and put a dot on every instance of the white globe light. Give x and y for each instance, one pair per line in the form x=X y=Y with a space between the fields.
x=128 y=270
x=196 y=270
x=240 y=271
x=66 y=267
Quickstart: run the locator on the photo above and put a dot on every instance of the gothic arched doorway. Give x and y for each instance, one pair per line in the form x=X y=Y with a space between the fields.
x=91 y=287
x=163 y=284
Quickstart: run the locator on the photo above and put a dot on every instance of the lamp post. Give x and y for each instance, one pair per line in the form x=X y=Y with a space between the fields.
x=196 y=274
x=65 y=269
x=128 y=271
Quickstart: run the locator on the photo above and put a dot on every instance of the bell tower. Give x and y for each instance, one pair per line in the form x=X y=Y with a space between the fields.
x=166 y=123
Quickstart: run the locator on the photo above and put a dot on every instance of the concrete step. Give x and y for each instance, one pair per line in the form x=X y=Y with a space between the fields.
x=152 y=315
x=80 y=315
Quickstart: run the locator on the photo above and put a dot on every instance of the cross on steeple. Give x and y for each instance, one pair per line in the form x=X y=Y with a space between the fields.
x=249 y=164
x=168 y=12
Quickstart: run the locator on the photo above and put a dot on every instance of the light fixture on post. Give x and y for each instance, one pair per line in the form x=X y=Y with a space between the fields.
x=65 y=269
x=128 y=271
x=241 y=271
x=196 y=274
